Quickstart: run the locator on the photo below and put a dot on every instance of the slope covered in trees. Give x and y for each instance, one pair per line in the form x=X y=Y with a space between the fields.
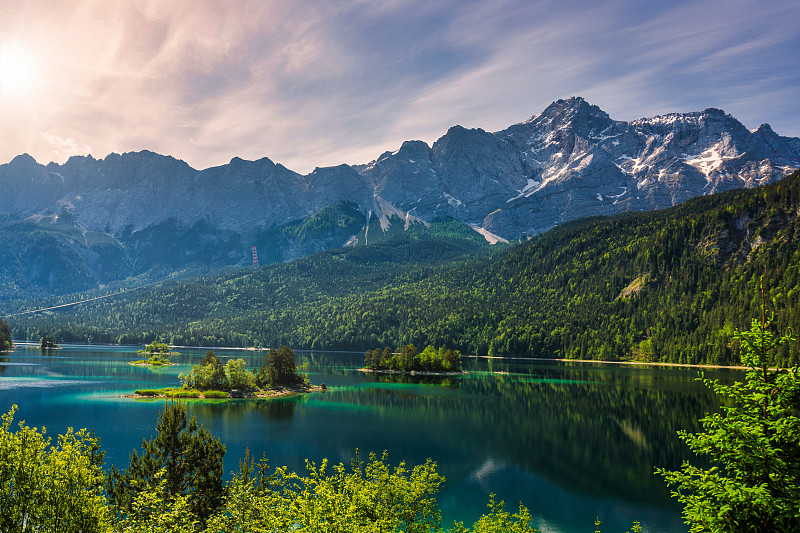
x=5 y=336
x=669 y=285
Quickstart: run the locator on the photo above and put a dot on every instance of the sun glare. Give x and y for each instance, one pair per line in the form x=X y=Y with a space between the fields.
x=17 y=70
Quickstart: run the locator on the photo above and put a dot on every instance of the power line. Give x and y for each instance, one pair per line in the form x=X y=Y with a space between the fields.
x=121 y=291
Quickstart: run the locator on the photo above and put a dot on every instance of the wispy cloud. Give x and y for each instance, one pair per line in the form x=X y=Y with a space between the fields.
x=321 y=83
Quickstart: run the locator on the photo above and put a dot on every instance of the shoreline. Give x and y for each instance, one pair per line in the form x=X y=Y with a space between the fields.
x=145 y=363
x=271 y=393
x=28 y=344
x=636 y=363
x=412 y=372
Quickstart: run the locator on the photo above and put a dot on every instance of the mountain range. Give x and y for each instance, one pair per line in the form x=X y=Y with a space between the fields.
x=90 y=222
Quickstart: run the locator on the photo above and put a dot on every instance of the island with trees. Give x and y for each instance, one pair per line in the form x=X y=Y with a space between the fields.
x=277 y=375
x=48 y=342
x=408 y=360
x=157 y=355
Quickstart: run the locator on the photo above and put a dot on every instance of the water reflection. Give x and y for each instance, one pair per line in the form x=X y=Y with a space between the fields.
x=266 y=410
x=416 y=379
x=588 y=429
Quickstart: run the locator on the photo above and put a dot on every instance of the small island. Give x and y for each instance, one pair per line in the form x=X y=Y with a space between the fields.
x=158 y=355
x=277 y=376
x=432 y=361
x=48 y=342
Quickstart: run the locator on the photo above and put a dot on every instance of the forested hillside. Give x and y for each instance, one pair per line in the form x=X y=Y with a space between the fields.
x=5 y=336
x=669 y=285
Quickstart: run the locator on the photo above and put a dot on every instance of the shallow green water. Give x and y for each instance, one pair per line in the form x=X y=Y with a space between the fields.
x=571 y=441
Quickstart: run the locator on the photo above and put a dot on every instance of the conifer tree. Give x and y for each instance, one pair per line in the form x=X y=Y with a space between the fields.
x=183 y=456
x=5 y=336
x=754 y=446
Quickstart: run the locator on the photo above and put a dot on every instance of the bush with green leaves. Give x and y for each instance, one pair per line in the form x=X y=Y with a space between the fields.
x=753 y=483
x=209 y=374
x=498 y=520
x=149 y=392
x=238 y=376
x=215 y=394
x=182 y=393
x=279 y=369
x=50 y=487
x=157 y=348
x=152 y=512
x=367 y=496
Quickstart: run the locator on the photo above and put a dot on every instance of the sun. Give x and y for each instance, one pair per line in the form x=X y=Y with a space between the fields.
x=17 y=70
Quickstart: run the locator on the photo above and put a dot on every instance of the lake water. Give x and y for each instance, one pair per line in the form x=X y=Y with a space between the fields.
x=572 y=441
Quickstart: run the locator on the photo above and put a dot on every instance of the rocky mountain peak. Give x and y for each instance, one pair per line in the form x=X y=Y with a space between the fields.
x=575 y=113
x=23 y=160
x=765 y=130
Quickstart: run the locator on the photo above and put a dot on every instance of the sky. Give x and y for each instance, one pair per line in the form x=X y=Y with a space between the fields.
x=319 y=82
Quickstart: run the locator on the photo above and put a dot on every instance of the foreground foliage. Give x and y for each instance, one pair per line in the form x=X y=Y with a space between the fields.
x=182 y=461
x=44 y=486
x=754 y=445
x=175 y=487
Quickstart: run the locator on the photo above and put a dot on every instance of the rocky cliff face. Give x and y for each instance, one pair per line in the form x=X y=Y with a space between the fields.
x=581 y=161
x=570 y=161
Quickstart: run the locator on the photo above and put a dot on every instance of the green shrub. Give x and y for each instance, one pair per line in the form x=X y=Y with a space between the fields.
x=215 y=394
x=180 y=393
x=149 y=392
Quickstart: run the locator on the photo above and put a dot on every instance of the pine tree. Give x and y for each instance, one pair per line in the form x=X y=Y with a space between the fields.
x=279 y=368
x=191 y=460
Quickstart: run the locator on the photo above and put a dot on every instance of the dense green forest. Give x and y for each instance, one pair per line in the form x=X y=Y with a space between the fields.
x=5 y=336
x=670 y=285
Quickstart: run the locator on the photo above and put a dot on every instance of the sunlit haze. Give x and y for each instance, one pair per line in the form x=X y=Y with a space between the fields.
x=18 y=71
x=322 y=83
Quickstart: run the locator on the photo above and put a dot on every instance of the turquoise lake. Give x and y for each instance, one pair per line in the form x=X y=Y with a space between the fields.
x=571 y=441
